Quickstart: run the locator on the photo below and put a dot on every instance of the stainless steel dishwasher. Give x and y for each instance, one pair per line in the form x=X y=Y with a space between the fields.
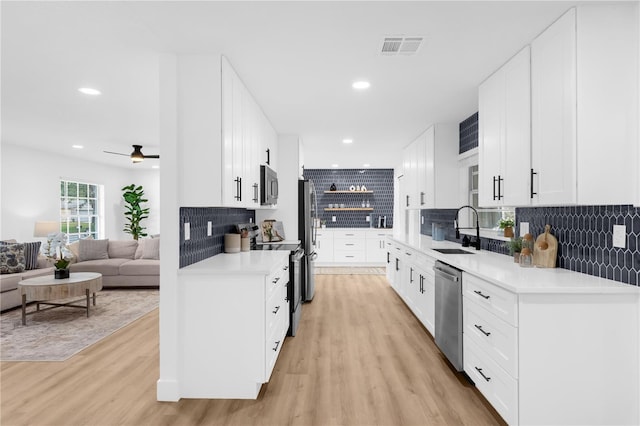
x=448 y=321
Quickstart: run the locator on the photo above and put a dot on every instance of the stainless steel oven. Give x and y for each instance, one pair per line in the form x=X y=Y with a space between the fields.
x=294 y=290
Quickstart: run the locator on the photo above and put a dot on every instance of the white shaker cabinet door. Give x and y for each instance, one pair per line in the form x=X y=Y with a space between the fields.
x=553 y=91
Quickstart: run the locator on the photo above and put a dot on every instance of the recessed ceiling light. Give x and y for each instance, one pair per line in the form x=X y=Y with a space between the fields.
x=89 y=91
x=360 y=85
x=334 y=165
x=347 y=140
x=155 y=167
x=77 y=146
x=366 y=165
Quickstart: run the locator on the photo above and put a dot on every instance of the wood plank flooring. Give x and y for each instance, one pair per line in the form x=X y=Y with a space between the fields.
x=360 y=358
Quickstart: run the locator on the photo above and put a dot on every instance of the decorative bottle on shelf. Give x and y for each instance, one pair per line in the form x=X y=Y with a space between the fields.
x=332 y=187
x=363 y=203
x=368 y=205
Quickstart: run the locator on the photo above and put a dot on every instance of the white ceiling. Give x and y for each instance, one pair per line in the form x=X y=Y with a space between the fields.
x=298 y=59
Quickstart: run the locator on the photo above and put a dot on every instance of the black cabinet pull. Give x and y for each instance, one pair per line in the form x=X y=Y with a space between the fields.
x=276 y=310
x=500 y=179
x=532 y=175
x=479 y=370
x=276 y=280
x=410 y=275
x=278 y=344
x=268 y=156
x=421 y=284
x=388 y=260
x=422 y=198
x=479 y=293
x=397 y=267
x=407 y=201
x=285 y=268
x=479 y=327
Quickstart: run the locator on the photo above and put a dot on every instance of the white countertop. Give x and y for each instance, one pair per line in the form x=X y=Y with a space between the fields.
x=501 y=270
x=262 y=262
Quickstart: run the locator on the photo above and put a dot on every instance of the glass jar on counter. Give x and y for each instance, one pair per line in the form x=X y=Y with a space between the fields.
x=526 y=254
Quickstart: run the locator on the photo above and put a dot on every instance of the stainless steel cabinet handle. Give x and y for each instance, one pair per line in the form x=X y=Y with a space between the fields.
x=479 y=370
x=255 y=193
x=479 y=327
x=275 y=311
x=479 y=293
x=278 y=344
x=448 y=276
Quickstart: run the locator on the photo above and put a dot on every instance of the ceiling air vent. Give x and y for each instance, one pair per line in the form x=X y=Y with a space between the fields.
x=400 y=45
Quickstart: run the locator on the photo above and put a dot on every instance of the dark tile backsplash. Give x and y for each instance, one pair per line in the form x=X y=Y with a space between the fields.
x=469 y=133
x=585 y=238
x=380 y=181
x=200 y=246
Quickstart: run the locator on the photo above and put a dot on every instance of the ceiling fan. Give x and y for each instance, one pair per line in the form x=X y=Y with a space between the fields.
x=136 y=156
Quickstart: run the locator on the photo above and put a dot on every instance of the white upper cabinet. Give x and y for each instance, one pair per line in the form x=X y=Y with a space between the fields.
x=247 y=135
x=430 y=169
x=584 y=88
x=505 y=134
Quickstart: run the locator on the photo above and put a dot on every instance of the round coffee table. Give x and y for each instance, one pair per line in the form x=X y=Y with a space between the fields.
x=43 y=289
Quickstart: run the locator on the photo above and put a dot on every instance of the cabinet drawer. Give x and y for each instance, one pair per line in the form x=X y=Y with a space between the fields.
x=348 y=256
x=496 y=300
x=276 y=280
x=497 y=338
x=349 y=245
x=274 y=309
x=500 y=389
x=356 y=233
x=377 y=235
x=273 y=345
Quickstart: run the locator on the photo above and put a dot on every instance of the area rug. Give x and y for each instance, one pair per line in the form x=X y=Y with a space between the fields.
x=349 y=271
x=60 y=333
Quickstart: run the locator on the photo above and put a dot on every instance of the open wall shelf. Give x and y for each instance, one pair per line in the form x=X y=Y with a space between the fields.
x=348 y=192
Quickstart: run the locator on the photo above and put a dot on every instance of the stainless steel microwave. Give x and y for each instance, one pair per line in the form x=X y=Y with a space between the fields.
x=268 y=186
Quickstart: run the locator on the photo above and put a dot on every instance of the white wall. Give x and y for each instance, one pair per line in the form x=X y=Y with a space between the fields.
x=31 y=190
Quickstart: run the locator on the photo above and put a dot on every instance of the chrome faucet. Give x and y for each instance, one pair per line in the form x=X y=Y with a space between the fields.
x=475 y=243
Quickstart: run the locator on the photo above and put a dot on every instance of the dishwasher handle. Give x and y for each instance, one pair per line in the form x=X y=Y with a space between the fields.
x=447 y=275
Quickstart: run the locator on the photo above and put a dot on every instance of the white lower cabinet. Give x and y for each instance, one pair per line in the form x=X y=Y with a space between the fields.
x=233 y=331
x=351 y=247
x=552 y=358
x=411 y=275
x=324 y=247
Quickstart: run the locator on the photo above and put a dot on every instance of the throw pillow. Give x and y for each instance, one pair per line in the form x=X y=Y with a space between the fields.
x=74 y=247
x=11 y=258
x=31 y=251
x=151 y=249
x=93 y=250
x=122 y=249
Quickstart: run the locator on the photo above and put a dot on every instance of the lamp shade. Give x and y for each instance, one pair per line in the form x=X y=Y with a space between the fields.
x=43 y=229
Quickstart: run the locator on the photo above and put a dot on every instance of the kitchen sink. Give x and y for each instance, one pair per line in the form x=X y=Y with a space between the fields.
x=452 y=251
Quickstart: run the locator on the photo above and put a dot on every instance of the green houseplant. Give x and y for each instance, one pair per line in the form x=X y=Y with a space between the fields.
x=515 y=247
x=507 y=226
x=135 y=213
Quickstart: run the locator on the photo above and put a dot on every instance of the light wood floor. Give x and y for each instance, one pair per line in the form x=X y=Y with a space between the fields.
x=360 y=358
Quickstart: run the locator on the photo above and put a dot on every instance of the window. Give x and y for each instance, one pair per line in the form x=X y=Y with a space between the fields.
x=79 y=210
x=488 y=217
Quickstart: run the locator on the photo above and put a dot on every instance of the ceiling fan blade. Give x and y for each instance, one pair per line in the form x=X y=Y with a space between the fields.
x=116 y=153
x=152 y=156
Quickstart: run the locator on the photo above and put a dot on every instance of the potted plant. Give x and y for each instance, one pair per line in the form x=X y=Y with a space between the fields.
x=134 y=196
x=62 y=268
x=515 y=247
x=507 y=226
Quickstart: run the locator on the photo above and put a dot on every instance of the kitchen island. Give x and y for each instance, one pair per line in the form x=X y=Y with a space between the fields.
x=234 y=322
x=544 y=346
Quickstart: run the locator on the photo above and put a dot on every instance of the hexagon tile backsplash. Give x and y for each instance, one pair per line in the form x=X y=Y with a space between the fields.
x=585 y=238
